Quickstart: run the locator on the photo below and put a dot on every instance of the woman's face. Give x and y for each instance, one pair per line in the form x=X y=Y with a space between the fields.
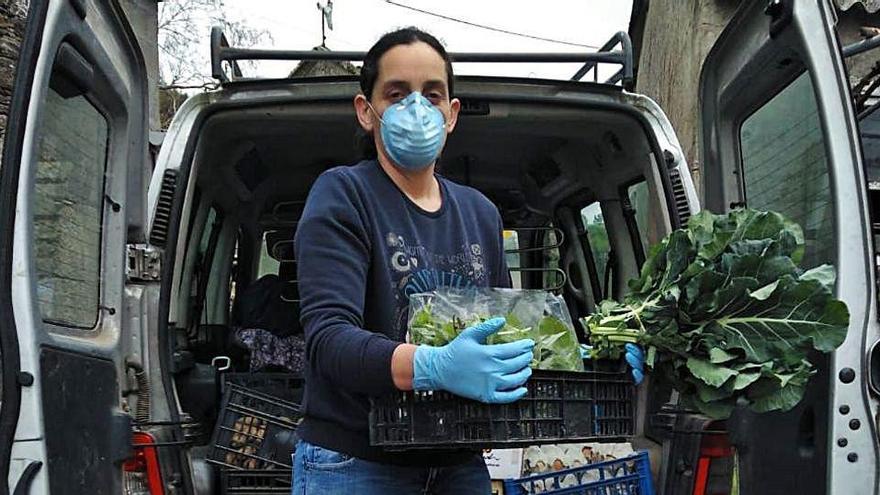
x=402 y=70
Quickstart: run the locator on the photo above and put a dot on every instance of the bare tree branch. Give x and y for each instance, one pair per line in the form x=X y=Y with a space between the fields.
x=211 y=85
x=180 y=24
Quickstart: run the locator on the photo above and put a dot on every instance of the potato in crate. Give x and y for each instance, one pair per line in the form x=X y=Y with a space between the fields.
x=254 y=430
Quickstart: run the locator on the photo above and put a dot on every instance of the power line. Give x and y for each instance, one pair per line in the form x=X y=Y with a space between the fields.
x=489 y=28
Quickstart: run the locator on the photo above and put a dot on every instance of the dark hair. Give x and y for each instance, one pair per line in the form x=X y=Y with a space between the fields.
x=370 y=72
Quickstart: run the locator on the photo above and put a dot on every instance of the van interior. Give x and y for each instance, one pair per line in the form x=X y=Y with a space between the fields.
x=579 y=194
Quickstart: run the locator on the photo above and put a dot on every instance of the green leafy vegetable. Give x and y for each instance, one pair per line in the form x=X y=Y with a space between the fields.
x=726 y=314
x=438 y=317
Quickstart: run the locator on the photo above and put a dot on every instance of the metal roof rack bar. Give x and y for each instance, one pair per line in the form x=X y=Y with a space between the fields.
x=626 y=72
x=218 y=45
x=222 y=52
x=861 y=46
x=617 y=78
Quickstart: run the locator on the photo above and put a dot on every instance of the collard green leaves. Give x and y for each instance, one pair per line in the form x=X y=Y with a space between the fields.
x=727 y=314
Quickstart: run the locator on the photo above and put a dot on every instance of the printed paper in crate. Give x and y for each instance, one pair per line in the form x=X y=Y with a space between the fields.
x=503 y=463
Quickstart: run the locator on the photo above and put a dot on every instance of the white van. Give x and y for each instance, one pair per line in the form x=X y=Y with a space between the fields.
x=119 y=293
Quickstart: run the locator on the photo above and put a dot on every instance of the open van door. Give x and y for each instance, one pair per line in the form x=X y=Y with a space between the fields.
x=779 y=133
x=70 y=200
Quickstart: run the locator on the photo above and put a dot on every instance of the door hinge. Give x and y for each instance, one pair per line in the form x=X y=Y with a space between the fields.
x=144 y=263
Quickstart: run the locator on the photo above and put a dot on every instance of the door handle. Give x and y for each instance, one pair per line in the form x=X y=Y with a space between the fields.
x=221 y=363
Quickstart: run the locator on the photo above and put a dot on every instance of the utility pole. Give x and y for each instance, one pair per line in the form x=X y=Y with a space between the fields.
x=326 y=20
x=671 y=61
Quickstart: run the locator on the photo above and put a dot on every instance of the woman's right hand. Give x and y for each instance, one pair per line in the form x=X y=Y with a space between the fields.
x=470 y=368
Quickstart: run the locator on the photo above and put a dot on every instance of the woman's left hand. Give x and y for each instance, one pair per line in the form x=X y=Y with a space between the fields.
x=635 y=356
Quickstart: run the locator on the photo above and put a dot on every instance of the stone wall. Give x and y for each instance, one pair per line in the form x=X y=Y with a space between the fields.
x=12 y=20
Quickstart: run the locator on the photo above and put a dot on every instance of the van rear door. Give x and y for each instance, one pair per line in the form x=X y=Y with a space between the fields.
x=779 y=133
x=73 y=154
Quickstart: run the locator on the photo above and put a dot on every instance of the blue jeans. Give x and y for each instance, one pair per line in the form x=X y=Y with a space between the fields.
x=320 y=471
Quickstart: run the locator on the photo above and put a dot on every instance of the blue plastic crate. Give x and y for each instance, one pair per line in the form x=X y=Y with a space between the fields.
x=625 y=476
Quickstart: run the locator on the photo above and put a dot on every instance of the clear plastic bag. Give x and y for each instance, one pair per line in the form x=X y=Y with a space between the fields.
x=437 y=317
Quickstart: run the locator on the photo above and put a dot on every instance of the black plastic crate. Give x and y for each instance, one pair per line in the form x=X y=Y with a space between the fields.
x=560 y=406
x=287 y=386
x=255 y=482
x=254 y=430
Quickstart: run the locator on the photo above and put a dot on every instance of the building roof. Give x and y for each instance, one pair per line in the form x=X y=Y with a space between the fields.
x=316 y=68
x=870 y=5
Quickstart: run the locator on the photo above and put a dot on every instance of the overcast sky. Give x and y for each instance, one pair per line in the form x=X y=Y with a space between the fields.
x=357 y=24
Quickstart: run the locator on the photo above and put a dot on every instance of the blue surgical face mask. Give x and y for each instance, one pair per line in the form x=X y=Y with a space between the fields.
x=413 y=131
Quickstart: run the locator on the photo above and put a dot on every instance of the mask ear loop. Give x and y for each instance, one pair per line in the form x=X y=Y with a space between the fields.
x=375 y=112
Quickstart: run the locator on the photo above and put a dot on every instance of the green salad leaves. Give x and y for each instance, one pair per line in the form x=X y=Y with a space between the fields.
x=438 y=317
x=726 y=314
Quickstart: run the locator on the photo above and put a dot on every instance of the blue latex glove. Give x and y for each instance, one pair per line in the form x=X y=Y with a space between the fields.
x=635 y=356
x=470 y=368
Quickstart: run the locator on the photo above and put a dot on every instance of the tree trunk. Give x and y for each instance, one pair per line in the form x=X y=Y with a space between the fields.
x=678 y=35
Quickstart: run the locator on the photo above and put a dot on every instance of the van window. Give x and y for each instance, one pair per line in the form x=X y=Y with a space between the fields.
x=204 y=274
x=639 y=200
x=785 y=167
x=233 y=275
x=597 y=235
x=532 y=255
x=869 y=131
x=553 y=277
x=268 y=264
x=68 y=210
x=511 y=253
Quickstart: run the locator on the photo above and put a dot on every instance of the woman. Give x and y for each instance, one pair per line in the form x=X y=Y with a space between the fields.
x=370 y=235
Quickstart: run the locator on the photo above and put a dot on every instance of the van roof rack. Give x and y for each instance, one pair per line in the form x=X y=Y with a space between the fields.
x=221 y=52
x=861 y=46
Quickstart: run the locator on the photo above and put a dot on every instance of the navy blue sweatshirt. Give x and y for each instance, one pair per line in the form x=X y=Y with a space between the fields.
x=362 y=247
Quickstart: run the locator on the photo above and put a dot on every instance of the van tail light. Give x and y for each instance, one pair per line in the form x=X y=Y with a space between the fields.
x=715 y=465
x=141 y=472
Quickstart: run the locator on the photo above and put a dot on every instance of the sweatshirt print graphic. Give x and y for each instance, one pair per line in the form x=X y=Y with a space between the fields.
x=416 y=269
